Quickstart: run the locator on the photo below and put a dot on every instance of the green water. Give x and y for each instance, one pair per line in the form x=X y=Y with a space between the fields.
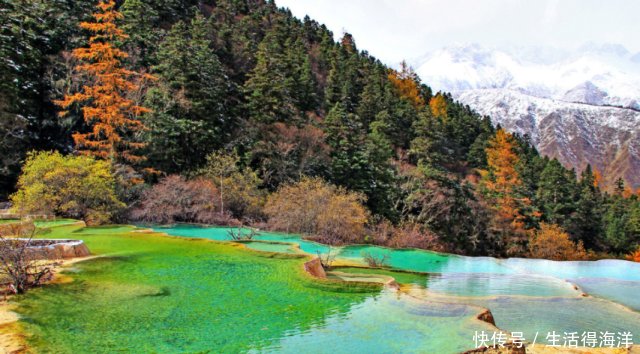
x=400 y=277
x=152 y=293
x=271 y=247
x=42 y=223
x=525 y=295
x=388 y=323
x=222 y=234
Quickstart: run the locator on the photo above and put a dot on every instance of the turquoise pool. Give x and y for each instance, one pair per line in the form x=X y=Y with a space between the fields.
x=528 y=295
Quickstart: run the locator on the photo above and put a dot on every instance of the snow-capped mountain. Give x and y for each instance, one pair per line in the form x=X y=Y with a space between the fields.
x=581 y=106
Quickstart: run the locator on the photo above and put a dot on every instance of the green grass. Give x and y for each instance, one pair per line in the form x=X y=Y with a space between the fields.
x=8 y=221
x=400 y=277
x=53 y=223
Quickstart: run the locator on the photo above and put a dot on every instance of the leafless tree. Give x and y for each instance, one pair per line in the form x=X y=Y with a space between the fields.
x=327 y=259
x=236 y=234
x=23 y=266
x=375 y=261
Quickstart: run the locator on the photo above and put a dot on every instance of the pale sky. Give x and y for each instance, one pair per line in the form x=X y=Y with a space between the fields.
x=393 y=30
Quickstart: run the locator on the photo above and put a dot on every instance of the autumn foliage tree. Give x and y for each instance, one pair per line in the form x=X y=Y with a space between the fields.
x=77 y=187
x=552 y=242
x=315 y=207
x=635 y=256
x=108 y=110
x=438 y=106
x=501 y=182
x=407 y=83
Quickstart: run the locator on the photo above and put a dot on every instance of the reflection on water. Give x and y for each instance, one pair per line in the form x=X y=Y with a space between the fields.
x=388 y=323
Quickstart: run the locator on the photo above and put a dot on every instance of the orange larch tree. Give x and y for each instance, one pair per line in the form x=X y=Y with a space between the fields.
x=112 y=116
x=438 y=106
x=501 y=182
x=407 y=84
x=597 y=178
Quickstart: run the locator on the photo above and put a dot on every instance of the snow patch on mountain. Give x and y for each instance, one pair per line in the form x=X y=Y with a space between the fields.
x=576 y=134
x=539 y=72
x=580 y=106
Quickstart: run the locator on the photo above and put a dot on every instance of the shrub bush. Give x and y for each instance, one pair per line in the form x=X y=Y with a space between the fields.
x=239 y=194
x=407 y=235
x=312 y=206
x=552 y=242
x=176 y=199
x=78 y=187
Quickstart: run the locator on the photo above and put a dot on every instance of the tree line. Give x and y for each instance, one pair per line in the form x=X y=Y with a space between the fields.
x=235 y=111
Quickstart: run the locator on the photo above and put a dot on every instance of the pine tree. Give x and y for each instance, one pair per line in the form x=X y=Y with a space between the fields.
x=586 y=223
x=106 y=107
x=616 y=232
x=430 y=144
x=141 y=21
x=360 y=161
x=346 y=137
x=272 y=92
x=32 y=34
x=476 y=155
x=190 y=101
x=556 y=193
x=344 y=81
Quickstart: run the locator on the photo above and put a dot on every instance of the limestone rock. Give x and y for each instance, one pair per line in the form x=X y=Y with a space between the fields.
x=314 y=267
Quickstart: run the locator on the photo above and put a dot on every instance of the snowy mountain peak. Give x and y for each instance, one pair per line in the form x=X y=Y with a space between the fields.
x=586 y=92
x=581 y=106
x=540 y=72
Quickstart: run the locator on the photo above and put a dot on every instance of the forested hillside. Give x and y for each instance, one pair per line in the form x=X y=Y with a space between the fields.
x=243 y=95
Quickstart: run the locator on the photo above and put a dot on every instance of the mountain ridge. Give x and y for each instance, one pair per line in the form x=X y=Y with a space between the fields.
x=594 y=90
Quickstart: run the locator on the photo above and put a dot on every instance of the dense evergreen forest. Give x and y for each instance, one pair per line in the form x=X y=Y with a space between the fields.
x=239 y=101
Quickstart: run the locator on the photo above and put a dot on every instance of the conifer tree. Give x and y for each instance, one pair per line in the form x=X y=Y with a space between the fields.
x=501 y=183
x=407 y=83
x=191 y=115
x=586 y=223
x=112 y=117
x=556 y=193
x=359 y=161
x=140 y=22
x=438 y=106
x=269 y=89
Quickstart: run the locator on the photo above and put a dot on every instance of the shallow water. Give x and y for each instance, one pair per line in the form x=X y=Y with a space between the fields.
x=170 y=294
x=222 y=234
x=271 y=247
x=52 y=223
x=526 y=295
x=606 y=268
x=377 y=324
x=623 y=292
x=425 y=261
